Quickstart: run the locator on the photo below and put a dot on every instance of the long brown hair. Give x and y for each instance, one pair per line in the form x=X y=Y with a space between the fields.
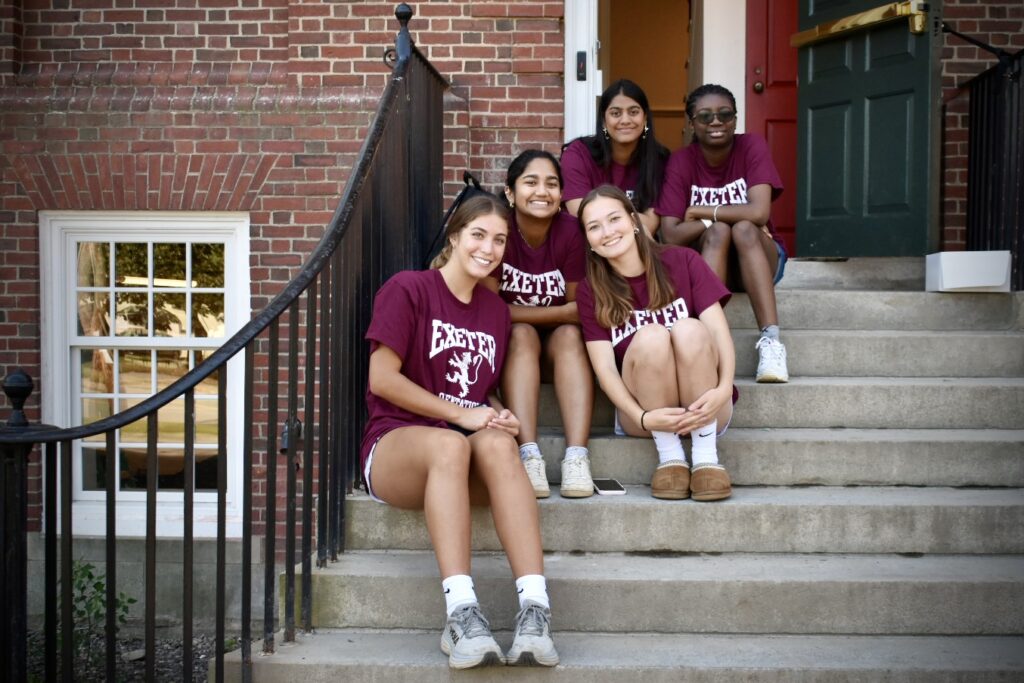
x=613 y=297
x=468 y=211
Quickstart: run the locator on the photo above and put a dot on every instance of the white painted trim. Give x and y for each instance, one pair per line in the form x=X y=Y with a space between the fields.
x=580 y=103
x=58 y=231
x=724 y=57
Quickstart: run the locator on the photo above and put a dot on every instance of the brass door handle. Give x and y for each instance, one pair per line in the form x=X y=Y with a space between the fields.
x=916 y=12
x=758 y=87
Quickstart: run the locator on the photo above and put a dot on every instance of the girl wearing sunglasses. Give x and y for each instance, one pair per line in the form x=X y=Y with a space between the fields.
x=623 y=153
x=717 y=199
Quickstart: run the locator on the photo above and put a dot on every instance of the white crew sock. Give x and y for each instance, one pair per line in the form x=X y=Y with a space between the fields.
x=705 y=444
x=458 y=592
x=529 y=450
x=533 y=587
x=576 y=452
x=669 y=445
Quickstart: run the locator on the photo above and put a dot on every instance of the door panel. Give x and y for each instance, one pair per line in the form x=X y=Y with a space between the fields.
x=771 y=98
x=868 y=112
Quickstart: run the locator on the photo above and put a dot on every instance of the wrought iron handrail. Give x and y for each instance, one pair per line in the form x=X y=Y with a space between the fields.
x=394 y=146
x=279 y=304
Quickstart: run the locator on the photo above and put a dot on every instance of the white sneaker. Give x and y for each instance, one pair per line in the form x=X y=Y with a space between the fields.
x=532 y=644
x=771 y=364
x=538 y=475
x=576 y=479
x=467 y=639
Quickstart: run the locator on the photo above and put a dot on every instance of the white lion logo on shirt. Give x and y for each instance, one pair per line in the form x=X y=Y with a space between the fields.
x=461 y=362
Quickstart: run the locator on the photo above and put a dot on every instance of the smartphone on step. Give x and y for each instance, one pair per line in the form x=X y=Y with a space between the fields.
x=609 y=487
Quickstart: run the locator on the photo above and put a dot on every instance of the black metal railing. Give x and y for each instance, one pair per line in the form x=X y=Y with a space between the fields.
x=995 y=158
x=383 y=224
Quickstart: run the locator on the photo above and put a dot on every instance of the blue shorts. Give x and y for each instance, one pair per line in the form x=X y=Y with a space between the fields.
x=780 y=269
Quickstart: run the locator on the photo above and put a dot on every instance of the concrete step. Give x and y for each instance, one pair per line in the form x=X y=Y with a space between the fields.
x=736 y=593
x=755 y=519
x=824 y=457
x=813 y=309
x=890 y=353
x=360 y=656
x=882 y=273
x=857 y=402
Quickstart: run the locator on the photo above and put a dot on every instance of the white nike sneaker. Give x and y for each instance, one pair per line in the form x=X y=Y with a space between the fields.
x=538 y=475
x=576 y=479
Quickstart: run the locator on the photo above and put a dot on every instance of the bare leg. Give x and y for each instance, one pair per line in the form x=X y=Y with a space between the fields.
x=520 y=380
x=497 y=478
x=696 y=362
x=574 y=383
x=714 y=247
x=758 y=259
x=428 y=468
x=648 y=371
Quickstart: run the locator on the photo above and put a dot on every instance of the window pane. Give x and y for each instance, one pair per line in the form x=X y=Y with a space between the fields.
x=169 y=265
x=208 y=265
x=171 y=422
x=206 y=470
x=169 y=315
x=208 y=387
x=93 y=314
x=93 y=264
x=97 y=371
x=133 y=469
x=170 y=469
x=132 y=315
x=206 y=421
x=94 y=468
x=136 y=431
x=133 y=372
x=171 y=365
x=131 y=265
x=207 y=315
x=96 y=409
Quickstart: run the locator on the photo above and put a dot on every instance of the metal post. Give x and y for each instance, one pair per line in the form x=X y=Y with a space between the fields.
x=13 y=571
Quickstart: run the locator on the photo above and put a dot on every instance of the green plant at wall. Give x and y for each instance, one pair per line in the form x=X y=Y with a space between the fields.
x=89 y=611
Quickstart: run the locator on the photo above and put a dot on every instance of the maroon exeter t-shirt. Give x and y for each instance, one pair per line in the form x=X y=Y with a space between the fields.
x=452 y=349
x=690 y=181
x=582 y=174
x=697 y=287
x=537 y=277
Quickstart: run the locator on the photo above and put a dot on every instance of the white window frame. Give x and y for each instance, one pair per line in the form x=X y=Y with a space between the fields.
x=59 y=232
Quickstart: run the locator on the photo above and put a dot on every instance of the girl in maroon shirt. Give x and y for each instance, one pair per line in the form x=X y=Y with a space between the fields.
x=659 y=342
x=439 y=440
x=543 y=263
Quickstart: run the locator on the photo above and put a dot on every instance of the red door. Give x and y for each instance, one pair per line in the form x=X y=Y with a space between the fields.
x=771 y=98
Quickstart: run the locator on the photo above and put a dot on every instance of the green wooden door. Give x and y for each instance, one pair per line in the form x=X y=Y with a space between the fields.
x=868 y=143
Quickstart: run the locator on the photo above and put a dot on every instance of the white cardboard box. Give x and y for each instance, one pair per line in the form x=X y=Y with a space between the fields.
x=967 y=271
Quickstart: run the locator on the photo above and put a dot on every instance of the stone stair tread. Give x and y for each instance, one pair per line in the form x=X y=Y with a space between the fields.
x=354 y=655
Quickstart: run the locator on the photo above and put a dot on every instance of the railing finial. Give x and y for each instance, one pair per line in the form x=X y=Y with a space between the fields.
x=403 y=44
x=18 y=386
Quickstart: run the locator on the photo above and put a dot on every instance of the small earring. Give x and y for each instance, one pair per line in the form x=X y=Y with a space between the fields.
x=636 y=231
x=606 y=136
x=643 y=136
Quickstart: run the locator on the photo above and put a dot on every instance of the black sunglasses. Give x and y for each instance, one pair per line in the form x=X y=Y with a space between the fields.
x=706 y=117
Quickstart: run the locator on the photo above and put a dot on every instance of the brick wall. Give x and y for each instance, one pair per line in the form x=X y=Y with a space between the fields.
x=999 y=23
